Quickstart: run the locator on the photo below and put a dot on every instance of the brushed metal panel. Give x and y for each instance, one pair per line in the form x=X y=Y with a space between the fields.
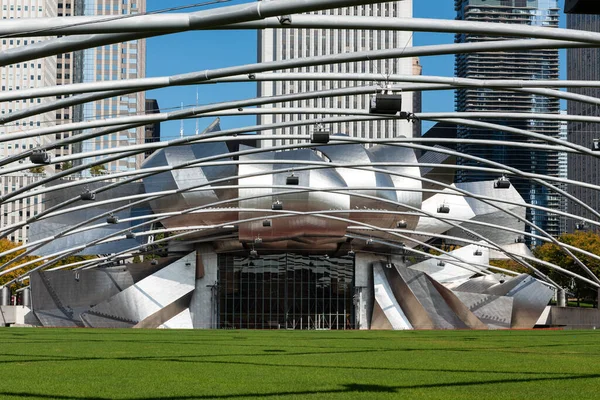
x=149 y=295
x=59 y=297
x=379 y=321
x=494 y=311
x=460 y=309
x=395 y=154
x=187 y=178
x=385 y=299
x=183 y=320
x=354 y=178
x=299 y=225
x=418 y=317
x=480 y=284
x=144 y=269
x=428 y=297
x=51 y=226
x=166 y=313
x=459 y=209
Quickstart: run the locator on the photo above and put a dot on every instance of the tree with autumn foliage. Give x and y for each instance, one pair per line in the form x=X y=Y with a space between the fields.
x=6 y=245
x=550 y=252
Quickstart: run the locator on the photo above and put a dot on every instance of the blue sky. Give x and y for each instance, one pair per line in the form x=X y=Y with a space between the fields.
x=194 y=51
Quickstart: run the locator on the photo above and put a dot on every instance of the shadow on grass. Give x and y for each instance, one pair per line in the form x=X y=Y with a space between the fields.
x=351 y=388
x=202 y=359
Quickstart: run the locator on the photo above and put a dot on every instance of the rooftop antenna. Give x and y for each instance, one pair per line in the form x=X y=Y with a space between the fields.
x=181 y=126
x=197 y=121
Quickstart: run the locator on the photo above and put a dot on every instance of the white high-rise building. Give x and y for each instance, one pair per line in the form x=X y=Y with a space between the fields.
x=24 y=75
x=282 y=44
x=112 y=62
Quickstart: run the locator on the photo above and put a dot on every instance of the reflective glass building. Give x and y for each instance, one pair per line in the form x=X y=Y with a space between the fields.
x=526 y=65
x=583 y=64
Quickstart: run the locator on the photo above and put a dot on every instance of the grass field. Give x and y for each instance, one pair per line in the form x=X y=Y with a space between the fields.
x=167 y=364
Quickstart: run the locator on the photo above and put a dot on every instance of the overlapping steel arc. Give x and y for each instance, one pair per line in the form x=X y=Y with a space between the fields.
x=482 y=198
x=259 y=150
x=552 y=38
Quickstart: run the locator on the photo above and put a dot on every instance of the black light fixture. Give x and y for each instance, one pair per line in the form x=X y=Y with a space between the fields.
x=188 y=264
x=520 y=239
x=266 y=223
x=596 y=145
x=443 y=209
x=320 y=135
x=292 y=179
x=40 y=156
x=385 y=103
x=88 y=196
x=502 y=183
x=130 y=235
x=277 y=205
x=285 y=19
x=154 y=262
x=477 y=252
x=351 y=253
x=401 y=224
x=112 y=219
x=253 y=254
x=441 y=263
x=258 y=240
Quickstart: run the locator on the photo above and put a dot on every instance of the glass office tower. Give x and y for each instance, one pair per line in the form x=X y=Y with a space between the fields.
x=526 y=65
x=583 y=64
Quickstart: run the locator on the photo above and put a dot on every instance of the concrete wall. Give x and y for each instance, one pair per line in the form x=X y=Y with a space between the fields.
x=571 y=317
x=202 y=307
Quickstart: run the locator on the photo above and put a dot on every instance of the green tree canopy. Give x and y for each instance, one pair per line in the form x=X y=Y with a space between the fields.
x=550 y=252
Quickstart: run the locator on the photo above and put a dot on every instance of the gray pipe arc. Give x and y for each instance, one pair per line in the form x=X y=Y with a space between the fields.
x=188 y=189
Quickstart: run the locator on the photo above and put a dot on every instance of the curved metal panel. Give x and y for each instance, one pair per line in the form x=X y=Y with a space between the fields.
x=184 y=178
x=395 y=154
x=296 y=226
x=354 y=178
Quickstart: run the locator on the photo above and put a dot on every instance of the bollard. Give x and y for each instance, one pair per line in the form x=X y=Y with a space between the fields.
x=26 y=297
x=561 y=298
x=5 y=296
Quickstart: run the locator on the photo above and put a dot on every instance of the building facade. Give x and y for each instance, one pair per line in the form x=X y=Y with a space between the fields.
x=110 y=63
x=113 y=62
x=283 y=44
x=583 y=64
x=31 y=74
x=526 y=65
x=152 y=131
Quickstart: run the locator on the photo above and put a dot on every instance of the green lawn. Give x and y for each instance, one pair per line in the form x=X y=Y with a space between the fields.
x=167 y=364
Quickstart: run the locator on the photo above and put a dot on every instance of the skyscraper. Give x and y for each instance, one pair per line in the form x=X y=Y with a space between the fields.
x=583 y=64
x=531 y=64
x=113 y=62
x=282 y=44
x=24 y=75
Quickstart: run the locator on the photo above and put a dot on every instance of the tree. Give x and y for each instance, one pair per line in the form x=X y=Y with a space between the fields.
x=66 y=165
x=98 y=170
x=550 y=252
x=6 y=245
x=511 y=265
x=37 y=170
